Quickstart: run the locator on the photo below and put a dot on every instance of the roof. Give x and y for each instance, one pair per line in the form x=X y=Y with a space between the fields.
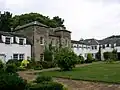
x=111 y=40
x=63 y=31
x=90 y=41
x=76 y=42
x=36 y=23
x=12 y=34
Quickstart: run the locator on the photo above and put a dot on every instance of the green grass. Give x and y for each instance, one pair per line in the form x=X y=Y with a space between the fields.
x=102 y=72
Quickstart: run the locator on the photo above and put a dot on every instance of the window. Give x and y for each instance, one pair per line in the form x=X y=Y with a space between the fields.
x=92 y=47
x=95 y=47
x=15 y=56
x=41 y=57
x=7 y=40
x=41 y=40
x=107 y=45
x=103 y=46
x=21 y=41
x=21 y=56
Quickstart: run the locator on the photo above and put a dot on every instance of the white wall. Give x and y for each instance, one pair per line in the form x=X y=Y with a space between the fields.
x=84 y=51
x=10 y=49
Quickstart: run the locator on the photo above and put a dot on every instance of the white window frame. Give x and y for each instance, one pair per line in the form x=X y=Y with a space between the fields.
x=23 y=57
x=17 y=56
x=19 y=41
x=5 y=39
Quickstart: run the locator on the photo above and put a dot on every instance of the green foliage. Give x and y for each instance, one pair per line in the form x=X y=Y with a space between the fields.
x=30 y=17
x=98 y=54
x=24 y=63
x=89 y=58
x=66 y=59
x=47 y=65
x=81 y=59
x=47 y=86
x=38 y=67
x=13 y=61
x=110 y=55
x=42 y=78
x=5 y=21
x=11 y=68
x=12 y=82
x=48 y=55
x=1 y=66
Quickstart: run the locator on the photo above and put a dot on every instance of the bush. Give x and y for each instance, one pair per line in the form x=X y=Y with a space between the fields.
x=47 y=86
x=13 y=61
x=12 y=82
x=66 y=59
x=38 y=67
x=81 y=59
x=42 y=78
x=89 y=58
x=47 y=65
x=21 y=68
x=48 y=55
x=11 y=68
x=1 y=66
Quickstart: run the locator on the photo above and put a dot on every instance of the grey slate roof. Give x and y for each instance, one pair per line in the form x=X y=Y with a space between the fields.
x=31 y=24
x=90 y=42
x=111 y=40
x=76 y=42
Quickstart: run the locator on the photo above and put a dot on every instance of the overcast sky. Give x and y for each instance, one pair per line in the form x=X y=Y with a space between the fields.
x=85 y=18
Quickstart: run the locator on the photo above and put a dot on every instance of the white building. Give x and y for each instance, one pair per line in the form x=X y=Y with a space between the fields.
x=83 y=47
x=14 y=46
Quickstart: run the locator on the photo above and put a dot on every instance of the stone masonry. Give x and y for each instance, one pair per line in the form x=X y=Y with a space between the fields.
x=35 y=32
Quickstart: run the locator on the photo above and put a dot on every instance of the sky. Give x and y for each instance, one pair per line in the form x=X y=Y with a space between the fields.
x=84 y=18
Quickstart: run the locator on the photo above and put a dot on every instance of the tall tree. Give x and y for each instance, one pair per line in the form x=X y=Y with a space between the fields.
x=59 y=21
x=30 y=17
x=5 y=21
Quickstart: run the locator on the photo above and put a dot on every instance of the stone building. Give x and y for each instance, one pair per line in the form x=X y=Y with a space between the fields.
x=41 y=35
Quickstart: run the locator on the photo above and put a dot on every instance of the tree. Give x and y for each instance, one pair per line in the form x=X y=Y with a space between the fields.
x=59 y=21
x=5 y=21
x=30 y=17
x=66 y=59
x=98 y=54
x=89 y=58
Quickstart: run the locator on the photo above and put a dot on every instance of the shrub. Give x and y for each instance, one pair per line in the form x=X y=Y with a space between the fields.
x=47 y=86
x=81 y=59
x=38 y=67
x=13 y=61
x=89 y=58
x=66 y=59
x=107 y=55
x=12 y=82
x=21 y=68
x=42 y=78
x=11 y=68
x=47 y=65
x=48 y=55
x=24 y=63
x=1 y=66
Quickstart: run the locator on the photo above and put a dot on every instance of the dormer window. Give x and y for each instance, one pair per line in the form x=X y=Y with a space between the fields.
x=7 y=40
x=21 y=41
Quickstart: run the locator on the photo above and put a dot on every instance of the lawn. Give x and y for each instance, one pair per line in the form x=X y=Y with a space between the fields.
x=102 y=72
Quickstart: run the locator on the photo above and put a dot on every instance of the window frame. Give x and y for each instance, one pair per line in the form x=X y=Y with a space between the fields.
x=41 y=40
x=23 y=57
x=7 y=41
x=17 y=56
x=22 y=42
